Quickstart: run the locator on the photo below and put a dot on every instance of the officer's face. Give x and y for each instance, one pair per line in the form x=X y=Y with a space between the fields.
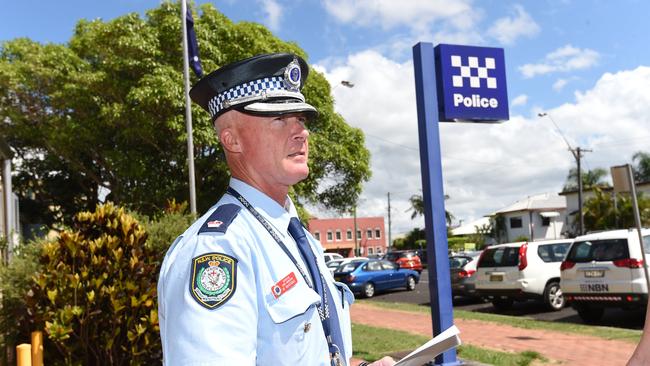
x=275 y=149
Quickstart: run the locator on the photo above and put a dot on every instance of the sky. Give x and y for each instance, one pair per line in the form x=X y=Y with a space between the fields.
x=584 y=63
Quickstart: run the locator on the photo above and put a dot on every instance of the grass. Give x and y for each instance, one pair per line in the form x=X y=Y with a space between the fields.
x=372 y=343
x=628 y=335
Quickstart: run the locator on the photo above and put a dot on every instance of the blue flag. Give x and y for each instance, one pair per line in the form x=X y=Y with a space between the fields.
x=193 y=46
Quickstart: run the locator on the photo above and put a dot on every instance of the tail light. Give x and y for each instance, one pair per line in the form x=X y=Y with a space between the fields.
x=464 y=273
x=629 y=263
x=567 y=265
x=523 y=260
x=350 y=278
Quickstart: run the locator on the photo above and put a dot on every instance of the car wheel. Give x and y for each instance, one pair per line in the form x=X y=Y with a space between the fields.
x=553 y=296
x=589 y=314
x=410 y=283
x=502 y=304
x=368 y=290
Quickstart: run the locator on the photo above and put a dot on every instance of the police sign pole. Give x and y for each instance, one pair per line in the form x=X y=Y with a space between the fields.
x=452 y=84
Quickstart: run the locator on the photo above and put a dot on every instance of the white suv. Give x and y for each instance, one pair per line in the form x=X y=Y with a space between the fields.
x=605 y=269
x=523 y=270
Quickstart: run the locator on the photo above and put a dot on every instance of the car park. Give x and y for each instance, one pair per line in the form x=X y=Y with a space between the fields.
x=408 y=259
x=462 y=267
x=329 y=256
x=524 y=270
x=371 y=276
x=605 y=270
x=336 y=263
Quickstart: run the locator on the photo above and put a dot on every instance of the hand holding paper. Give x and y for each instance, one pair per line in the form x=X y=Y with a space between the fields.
x=428 y=351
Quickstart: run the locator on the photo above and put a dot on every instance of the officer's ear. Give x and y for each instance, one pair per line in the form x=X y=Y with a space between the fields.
x=230 y=140
x=228 y=133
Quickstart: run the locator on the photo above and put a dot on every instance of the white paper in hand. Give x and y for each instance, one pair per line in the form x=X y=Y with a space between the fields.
x=428 y=351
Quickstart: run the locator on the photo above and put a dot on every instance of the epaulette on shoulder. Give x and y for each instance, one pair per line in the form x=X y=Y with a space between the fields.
x=220 y=219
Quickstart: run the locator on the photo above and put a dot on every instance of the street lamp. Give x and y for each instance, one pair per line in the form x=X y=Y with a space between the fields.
x=577 y=155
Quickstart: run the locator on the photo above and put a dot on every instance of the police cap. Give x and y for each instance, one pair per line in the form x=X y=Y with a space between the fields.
x=266 y=84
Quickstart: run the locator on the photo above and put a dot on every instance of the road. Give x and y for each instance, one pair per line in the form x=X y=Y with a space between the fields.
x=532 y=309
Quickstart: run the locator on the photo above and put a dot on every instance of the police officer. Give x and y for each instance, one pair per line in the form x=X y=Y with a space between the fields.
x=246 y=284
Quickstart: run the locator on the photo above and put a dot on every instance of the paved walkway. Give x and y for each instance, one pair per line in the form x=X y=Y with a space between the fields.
x=558 y=348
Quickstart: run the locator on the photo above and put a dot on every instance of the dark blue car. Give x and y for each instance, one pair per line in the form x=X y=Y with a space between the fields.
x=370 y=276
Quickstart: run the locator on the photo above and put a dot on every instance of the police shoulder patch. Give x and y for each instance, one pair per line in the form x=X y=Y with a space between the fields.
x=213 y=280
x=220 y=219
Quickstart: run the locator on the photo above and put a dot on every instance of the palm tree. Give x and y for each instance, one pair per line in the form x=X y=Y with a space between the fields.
x=642 y=169
x=417 y=206
x=590 y=179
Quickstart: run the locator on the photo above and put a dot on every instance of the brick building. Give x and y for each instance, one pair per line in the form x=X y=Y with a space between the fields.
x=337 y=235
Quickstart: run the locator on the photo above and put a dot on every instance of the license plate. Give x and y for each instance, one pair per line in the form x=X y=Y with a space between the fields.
x=594 y=273
x=496 y=278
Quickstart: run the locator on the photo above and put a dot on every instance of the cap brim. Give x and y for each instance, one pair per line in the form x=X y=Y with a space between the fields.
x=280 y=108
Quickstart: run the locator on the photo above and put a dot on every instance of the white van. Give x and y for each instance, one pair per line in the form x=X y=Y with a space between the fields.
x=520 y=271
x=605 y=269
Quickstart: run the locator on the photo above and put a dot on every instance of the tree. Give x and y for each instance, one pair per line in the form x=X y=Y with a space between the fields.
x=600 y=213
x=642 y=168
x=105 y=113
x=417 y=206
x=591 y=178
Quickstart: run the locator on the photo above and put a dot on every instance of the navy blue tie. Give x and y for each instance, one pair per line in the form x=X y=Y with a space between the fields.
x=331 y=324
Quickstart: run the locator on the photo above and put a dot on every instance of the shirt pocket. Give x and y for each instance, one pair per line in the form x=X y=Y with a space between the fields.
x=292 y=303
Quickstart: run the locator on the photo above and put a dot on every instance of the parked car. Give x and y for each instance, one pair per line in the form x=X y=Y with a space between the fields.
x=336 y=263
x=371 y=276
x=405 y=259
x=330 y=256
x=462 y=267
x=605 y=269
x=523 y=270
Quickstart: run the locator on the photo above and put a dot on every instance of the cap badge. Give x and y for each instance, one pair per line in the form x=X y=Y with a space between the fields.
x=292 y=75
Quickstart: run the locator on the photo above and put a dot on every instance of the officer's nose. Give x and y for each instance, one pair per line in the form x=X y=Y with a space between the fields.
x=299 y=128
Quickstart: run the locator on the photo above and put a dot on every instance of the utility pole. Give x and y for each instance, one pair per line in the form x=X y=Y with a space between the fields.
x=356 y=239
x=577 y=154
x=390 y=242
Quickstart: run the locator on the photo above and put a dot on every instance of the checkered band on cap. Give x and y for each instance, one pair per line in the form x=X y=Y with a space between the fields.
x=256 y=90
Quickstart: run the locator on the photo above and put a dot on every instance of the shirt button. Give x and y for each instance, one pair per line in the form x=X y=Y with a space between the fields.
x=307 y=327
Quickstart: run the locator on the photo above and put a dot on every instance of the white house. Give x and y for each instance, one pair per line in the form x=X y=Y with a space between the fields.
x=538 y=217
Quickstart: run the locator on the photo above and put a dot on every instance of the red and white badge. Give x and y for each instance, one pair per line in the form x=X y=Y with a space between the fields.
x=284 y=285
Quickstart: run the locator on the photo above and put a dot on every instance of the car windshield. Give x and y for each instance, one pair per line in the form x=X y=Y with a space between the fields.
x=348 y=267
x=500 y=257
x=599 y=250
x=334 y=263
x=458 y=262
x=393 y=256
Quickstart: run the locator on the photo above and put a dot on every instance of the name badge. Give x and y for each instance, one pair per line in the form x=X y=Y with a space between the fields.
x=284 y=285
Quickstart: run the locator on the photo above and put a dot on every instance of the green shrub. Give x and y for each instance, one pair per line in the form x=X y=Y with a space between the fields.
x=95 y=292
x=92 y=289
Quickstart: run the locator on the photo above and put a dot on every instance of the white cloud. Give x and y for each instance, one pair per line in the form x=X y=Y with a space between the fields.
x=485 y=167
x=560 y=84
x=390 y=13
x=519 y=100
x=273 y=12
x=507 y=29
x=567 y=58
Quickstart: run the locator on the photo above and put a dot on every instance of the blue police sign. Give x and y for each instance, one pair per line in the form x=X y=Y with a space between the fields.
x=471 y=83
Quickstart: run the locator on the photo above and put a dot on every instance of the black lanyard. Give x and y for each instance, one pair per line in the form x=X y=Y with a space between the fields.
x=271 y=231
x=323 y=310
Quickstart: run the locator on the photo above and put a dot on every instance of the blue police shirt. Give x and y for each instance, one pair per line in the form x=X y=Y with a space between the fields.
x=229 y=295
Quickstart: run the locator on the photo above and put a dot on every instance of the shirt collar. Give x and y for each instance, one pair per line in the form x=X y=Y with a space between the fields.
x=265 y=205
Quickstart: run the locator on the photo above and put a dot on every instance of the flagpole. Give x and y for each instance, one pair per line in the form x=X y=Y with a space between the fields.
x=188 y=111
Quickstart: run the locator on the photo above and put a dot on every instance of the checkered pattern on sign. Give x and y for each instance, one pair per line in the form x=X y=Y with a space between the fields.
x=473 y=73
x=249 y=89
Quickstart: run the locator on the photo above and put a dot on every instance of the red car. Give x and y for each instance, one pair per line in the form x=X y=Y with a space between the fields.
x=405 y=259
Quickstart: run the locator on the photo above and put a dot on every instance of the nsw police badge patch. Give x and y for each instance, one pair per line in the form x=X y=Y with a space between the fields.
x=213 y=280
